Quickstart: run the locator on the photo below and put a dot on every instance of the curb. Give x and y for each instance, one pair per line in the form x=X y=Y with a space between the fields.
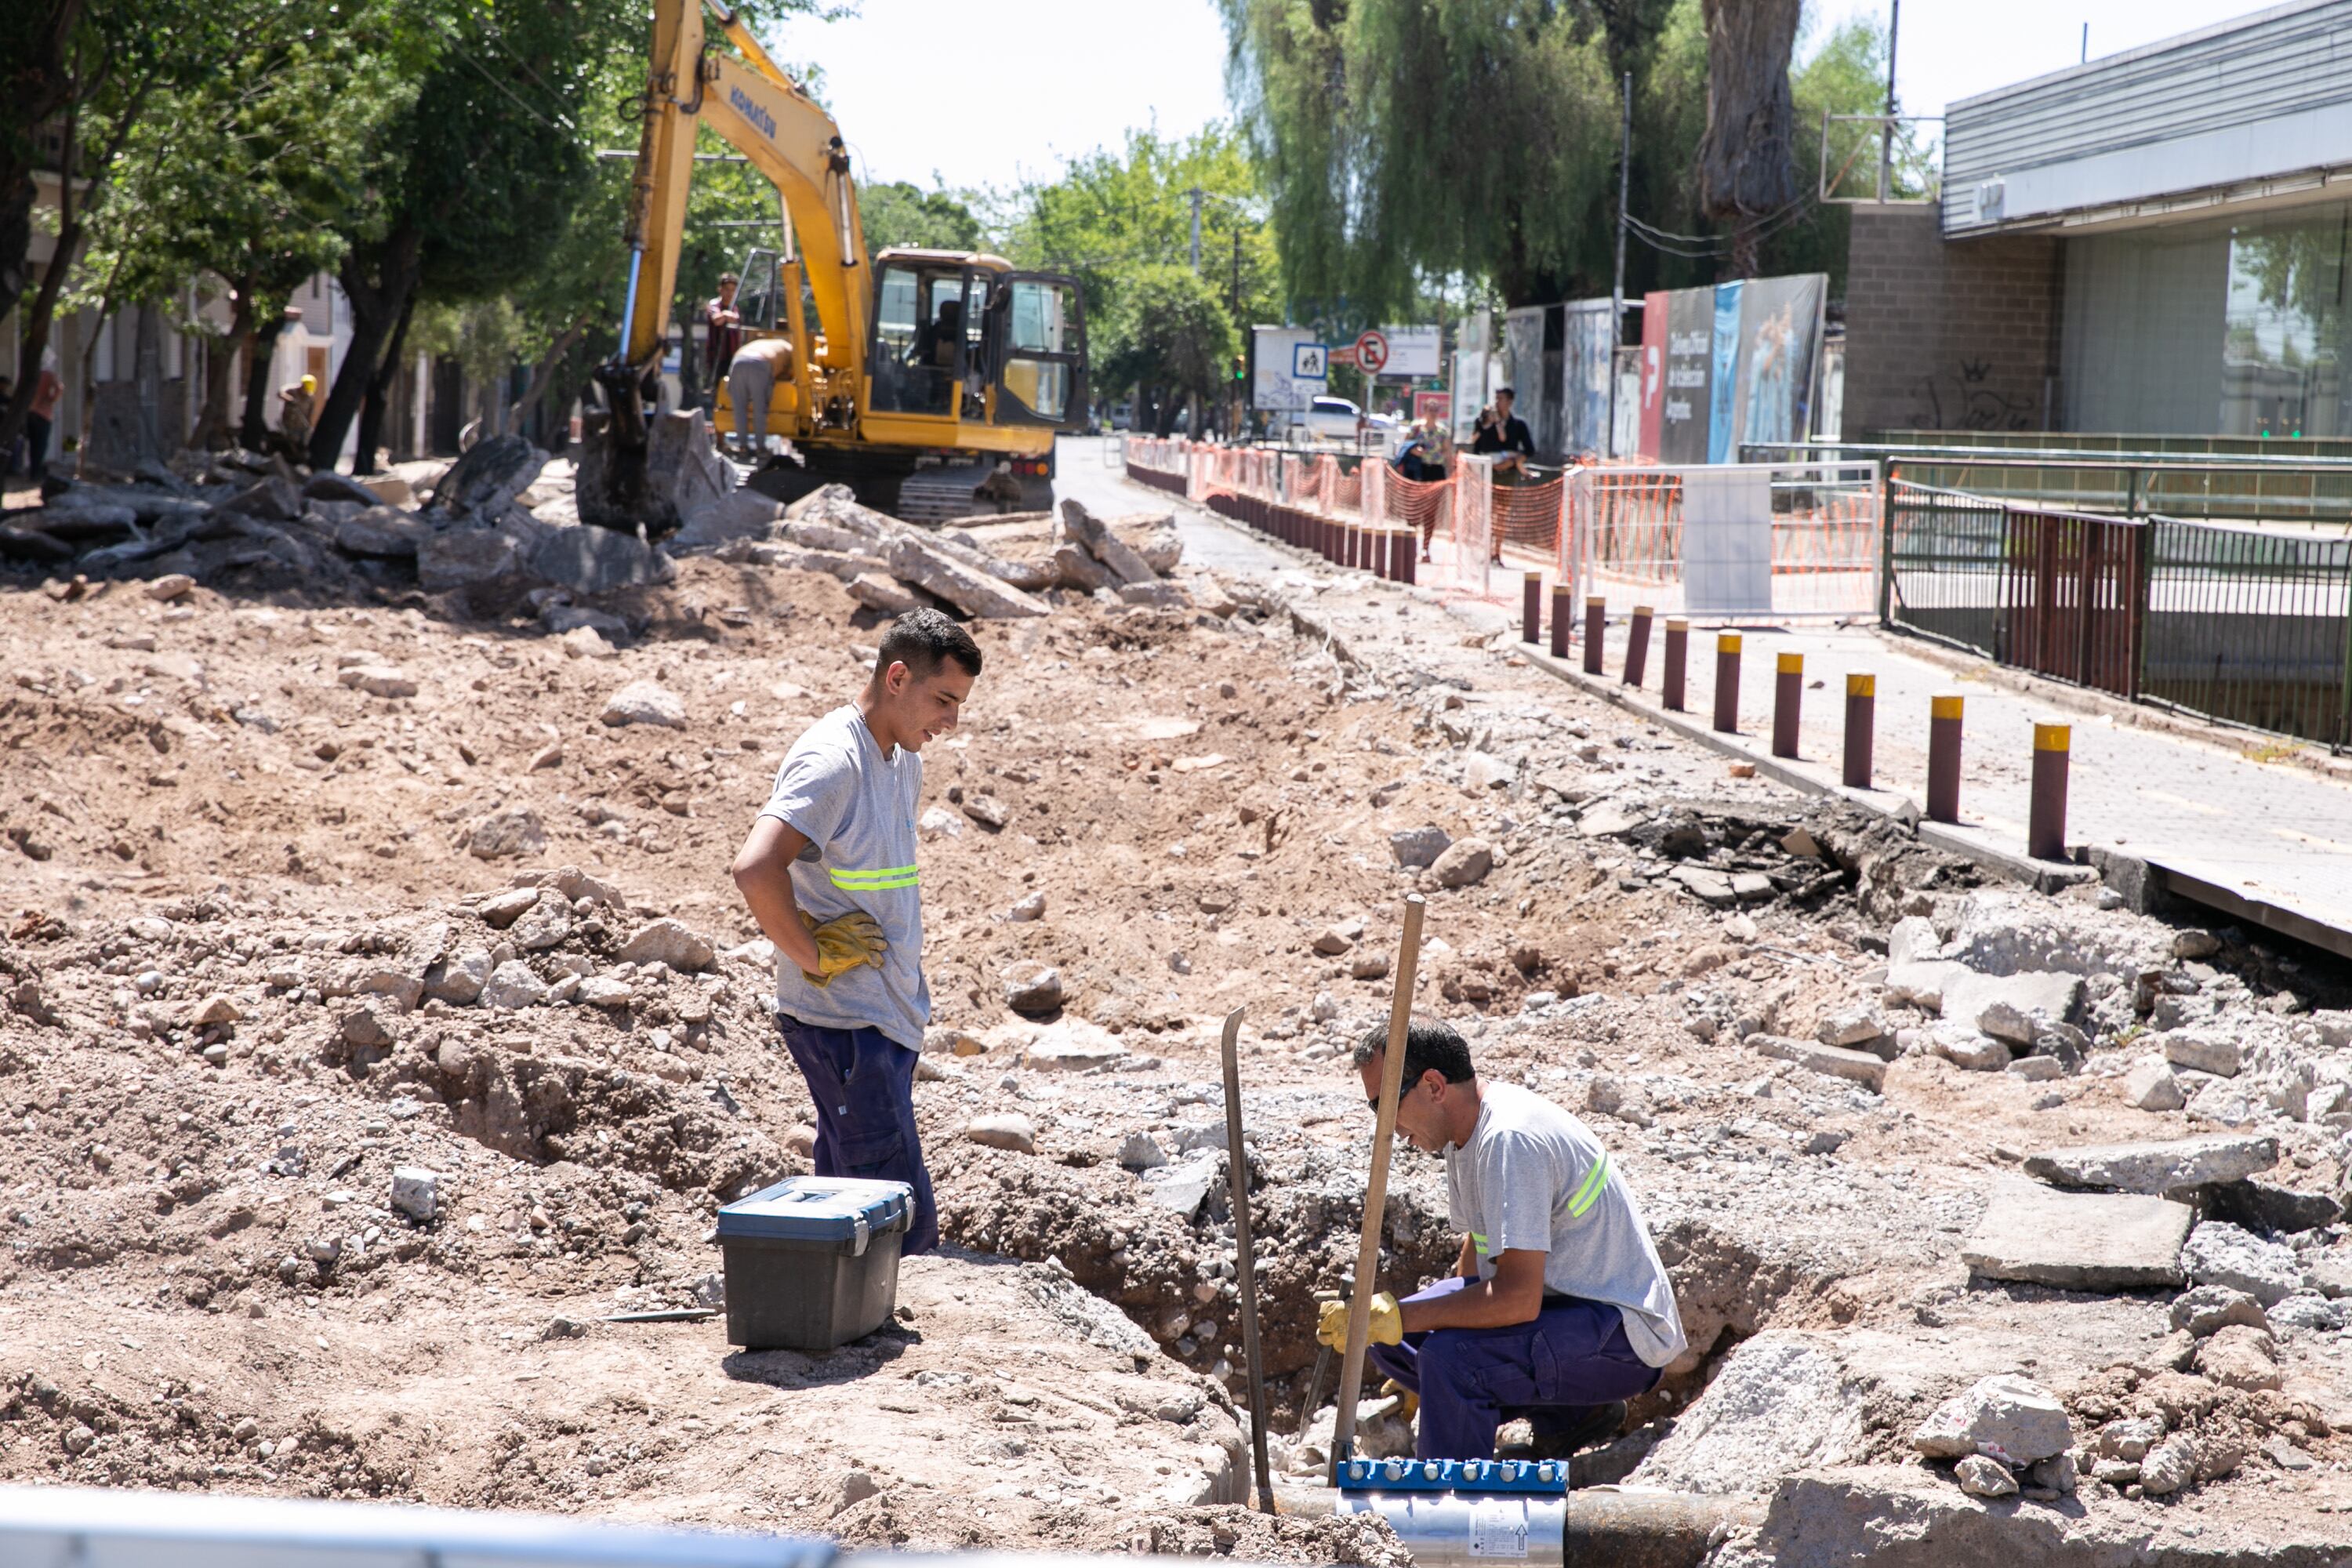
x=2007 y=864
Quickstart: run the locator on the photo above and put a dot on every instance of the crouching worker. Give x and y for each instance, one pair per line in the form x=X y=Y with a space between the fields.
x=829 y=873
x=1559 y=1309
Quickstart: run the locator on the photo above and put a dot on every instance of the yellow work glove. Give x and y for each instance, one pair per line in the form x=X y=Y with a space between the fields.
x=843 y=943
x=1388 y=1323
x=1408 y=1402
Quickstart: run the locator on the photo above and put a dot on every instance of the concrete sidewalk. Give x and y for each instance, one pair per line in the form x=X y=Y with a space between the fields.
x=2265 y=843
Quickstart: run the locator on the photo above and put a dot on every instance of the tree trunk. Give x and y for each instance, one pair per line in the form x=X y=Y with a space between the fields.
x=33 y=324
x=40 y=85
x=541 y=372
x=253 y=431
x=1746 y=159
x=379 y=390
x=220 y=355
x=376 y=304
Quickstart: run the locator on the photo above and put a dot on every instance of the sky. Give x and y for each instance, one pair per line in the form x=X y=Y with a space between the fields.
x=920 y=88
x=983 y=94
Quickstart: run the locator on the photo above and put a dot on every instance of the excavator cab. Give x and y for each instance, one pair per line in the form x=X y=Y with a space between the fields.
x=966 y=337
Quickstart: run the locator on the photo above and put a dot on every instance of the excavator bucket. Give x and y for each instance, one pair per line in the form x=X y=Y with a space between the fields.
x=634 y=474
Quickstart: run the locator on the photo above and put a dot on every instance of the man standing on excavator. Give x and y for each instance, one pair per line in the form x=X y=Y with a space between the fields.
x=829 y=872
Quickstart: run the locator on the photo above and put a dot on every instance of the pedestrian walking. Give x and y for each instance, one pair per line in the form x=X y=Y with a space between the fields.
x=829 y=872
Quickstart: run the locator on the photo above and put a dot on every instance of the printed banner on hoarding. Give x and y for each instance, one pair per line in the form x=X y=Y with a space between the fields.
x=1654 y=372
x=1585 y=363
x=1690 y=361
x=1721 y=370
x=1779 y=334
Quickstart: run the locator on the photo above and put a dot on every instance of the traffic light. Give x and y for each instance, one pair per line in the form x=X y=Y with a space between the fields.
x=1241 y=367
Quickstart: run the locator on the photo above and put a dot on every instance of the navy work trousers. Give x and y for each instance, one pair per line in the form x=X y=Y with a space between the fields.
x=863 y=1085
x=1574 y=1353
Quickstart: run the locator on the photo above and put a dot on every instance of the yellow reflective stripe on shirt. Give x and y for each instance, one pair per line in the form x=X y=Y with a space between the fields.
x=1589 y=1193
x=1479 y=1242
x=867 y=881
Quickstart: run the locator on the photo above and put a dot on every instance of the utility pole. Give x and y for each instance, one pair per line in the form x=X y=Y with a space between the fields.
x=1617 y=289
x=1196 y=193
x=1886 y=132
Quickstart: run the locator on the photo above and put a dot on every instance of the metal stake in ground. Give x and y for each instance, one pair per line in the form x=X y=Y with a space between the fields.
x=2045 y=831
x=1238 y=1179
x=1376 y=1191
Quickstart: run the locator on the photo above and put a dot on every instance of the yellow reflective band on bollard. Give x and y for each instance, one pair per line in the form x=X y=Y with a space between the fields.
x=2054 y=737
x=1790 y=664
x=1943 y=707
x=1862 y=686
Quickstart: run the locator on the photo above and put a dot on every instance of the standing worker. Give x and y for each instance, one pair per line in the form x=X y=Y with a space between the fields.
x=42 y=417
x=295 y=404
x=829 y=873
x=1558 y=1310
x=752 y=385
x=725 y=327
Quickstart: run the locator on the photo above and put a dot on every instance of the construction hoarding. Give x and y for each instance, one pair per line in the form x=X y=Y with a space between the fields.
x=1732 y=363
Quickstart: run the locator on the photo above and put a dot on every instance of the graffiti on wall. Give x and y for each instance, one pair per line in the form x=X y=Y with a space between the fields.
x=1966 y=398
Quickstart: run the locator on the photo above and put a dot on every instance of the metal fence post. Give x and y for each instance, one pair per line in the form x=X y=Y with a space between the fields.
x=1886 y=543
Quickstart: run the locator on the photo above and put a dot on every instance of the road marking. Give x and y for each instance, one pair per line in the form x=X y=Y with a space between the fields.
x=2170 y=799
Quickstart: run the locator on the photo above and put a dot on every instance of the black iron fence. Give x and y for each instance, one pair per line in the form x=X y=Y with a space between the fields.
x=2248 y=626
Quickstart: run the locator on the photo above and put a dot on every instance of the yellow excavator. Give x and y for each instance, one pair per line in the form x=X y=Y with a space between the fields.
x=943 y=368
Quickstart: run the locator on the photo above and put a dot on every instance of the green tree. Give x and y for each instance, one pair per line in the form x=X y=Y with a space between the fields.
x=1169 y=334
x=234 y=183
x=1121 y=222
x=896 y=213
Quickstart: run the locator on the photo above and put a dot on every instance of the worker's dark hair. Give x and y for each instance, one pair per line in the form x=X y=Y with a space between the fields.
x=729 y=278
x=920 y=640
x=1505 y=391
x=1427 y=1044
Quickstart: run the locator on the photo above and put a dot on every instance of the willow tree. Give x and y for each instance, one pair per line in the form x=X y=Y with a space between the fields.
x=1404 y=138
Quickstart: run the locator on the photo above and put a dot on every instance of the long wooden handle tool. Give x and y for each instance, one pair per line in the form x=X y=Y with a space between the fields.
x=1376 y=1192
x=1237 y=1176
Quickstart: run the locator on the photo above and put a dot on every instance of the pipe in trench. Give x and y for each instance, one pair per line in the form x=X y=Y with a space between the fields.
x=1576 y=1530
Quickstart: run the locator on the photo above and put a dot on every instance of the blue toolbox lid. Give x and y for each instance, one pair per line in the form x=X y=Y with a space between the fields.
x=1504 y=1476
x=820 y=1210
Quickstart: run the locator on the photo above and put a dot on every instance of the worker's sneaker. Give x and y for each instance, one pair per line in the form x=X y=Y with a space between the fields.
x=1557 y=1433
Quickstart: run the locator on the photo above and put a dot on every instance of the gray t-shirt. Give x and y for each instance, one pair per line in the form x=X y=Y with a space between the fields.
x=1534 y=1179
x=856 y=808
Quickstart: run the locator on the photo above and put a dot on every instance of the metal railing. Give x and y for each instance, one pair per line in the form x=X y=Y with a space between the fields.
x=2240 y=625
x=2302 y=490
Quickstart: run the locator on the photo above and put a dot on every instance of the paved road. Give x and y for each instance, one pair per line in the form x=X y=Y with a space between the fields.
x=1085 y=468
x=2269 y=842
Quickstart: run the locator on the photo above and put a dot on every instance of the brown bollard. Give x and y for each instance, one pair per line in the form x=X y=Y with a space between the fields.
x=1678 y=664
x=1563 y=616
x=1596 y=626
x=2045 y=827
x=1637 y=644
x=1407 y=548
x=1943 y=759
x=1787 y=702
x=1726 y=682
x=1860 y=720
x=1531 y=608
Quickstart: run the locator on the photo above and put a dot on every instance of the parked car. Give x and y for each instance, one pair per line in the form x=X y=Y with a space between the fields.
x=1338 y=419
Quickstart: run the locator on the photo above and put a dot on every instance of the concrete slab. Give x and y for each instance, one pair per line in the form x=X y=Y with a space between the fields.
x=1833 y=1061
x=2077 y=1241
x=2155 y=1168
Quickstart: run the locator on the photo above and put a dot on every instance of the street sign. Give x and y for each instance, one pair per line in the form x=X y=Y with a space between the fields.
x=1309 y=362
x=1371 y=352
